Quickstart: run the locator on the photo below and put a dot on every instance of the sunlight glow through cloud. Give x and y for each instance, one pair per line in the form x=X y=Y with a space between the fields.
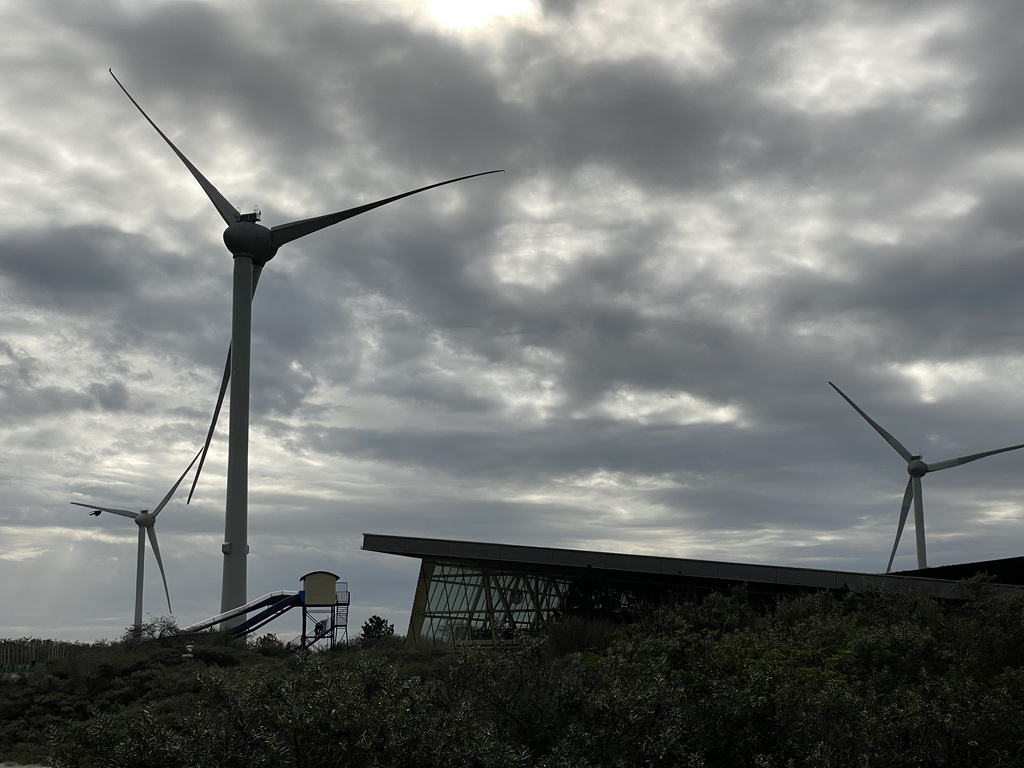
x=866 y=66
x=28 y=553
x=475 y=13
x=632 y=405
x=936 y=381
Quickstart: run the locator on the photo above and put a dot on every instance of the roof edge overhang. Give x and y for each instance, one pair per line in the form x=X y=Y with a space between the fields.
x=783 y=577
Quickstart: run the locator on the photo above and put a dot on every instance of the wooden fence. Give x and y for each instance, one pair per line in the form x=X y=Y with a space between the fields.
x=28 y=653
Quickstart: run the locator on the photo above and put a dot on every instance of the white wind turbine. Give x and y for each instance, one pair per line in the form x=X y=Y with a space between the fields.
x=251 y=246
x=146 y=521
x=917 y=469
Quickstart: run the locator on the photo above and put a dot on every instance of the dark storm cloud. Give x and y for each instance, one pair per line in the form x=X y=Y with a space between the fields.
x=360 y=81
x=561 y=7
x=279 y=389
x=523 y=453
x=74 y=265
x=995 y=110
x=111 y=397
x=84 y=273
x=931 y=298
x=213 y=60
x=639 y=118
x=413 y=92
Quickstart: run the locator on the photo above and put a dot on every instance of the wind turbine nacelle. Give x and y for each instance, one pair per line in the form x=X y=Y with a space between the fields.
x=916 y=467
x=246 y=238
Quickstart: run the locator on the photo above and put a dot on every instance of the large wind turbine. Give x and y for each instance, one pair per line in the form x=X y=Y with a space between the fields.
x=146 y=521
x=916 y=469
x=251 y=245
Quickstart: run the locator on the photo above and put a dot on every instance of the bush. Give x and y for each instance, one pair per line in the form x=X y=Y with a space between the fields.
x=376 y=628
x=879 y=679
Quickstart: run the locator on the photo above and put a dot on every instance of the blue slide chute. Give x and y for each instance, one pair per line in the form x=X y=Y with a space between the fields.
x=267 y=615
x=273 y=604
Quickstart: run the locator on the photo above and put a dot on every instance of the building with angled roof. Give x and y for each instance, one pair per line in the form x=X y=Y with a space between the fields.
x=477 y=593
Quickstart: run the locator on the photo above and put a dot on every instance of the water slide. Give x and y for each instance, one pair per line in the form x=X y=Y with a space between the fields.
x=273 y=604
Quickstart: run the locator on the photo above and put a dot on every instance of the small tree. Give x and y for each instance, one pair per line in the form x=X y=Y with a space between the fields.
x=157 y=627
x=376 y=629
x=267 y=644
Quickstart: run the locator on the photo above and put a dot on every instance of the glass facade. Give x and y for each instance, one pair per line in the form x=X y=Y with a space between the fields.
x=460 y=602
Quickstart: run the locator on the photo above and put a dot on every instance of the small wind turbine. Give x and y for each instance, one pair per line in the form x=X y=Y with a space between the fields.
x=252 y=246
x=146 y=521
x=917 y=469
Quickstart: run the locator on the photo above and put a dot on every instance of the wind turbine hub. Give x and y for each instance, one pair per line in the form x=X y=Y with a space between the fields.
x=916 y=467
x=247 y=238
x=145 y=520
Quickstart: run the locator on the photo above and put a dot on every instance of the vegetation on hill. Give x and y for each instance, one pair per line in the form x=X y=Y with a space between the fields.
x=822 y=680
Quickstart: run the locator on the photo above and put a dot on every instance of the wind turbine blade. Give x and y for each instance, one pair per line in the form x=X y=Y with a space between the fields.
x=256 y=271
x=111 y=510
x=967 y=459
x=156 y=551
x=213 y=424
x=227 y=211
x=170 y=493
x=285 y=233
x=904 y=511
x=907 y=456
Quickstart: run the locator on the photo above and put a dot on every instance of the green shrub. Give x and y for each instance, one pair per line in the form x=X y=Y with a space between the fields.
x=881 y=679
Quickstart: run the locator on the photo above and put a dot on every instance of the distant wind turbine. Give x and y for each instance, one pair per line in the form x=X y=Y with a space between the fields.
x=916 y=469
x=146 y=521
x=251 y=246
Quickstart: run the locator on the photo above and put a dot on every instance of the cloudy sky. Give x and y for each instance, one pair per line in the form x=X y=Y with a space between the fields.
x=709 y=211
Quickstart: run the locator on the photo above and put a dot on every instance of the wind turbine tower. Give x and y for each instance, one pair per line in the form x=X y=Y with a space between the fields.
x=917 y=469
x=251 y=245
